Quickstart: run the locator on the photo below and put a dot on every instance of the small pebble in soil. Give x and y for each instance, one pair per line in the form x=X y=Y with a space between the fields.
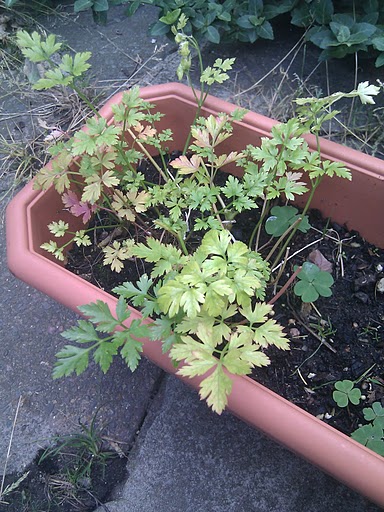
x=362 y=297
x=380 y=285
x=379 y=267
x=364 y=281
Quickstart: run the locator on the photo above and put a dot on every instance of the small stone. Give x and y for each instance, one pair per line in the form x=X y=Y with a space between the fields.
x=355 y=244
x=294 y=332
x=379 y=267
x=311 y=375
x=320 y=416
x=327 y=416
x=362 y=297
x=364 y=281
x=380 y=285
x=355 y=325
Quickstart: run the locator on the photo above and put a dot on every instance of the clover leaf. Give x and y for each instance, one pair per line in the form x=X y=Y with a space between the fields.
x=282 y=217
x=313 y=283
x=345 y=392
x=375 y=414
x=371 y=436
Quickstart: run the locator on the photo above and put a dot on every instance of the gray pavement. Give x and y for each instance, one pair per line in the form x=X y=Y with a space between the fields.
x=182 y=457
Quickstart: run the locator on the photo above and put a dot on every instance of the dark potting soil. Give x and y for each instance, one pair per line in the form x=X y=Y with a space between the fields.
x=338 y=338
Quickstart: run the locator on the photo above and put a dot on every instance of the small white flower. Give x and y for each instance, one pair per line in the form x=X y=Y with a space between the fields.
x=365 y=92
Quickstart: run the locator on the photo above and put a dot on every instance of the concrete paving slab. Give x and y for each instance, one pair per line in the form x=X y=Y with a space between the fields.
x=189 y=459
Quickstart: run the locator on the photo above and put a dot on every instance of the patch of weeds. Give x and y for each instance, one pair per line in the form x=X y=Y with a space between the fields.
x=77 y=472
x=370 y=332
x=324 y=328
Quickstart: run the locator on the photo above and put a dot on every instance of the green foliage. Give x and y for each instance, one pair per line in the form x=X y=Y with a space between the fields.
x=218 y=21
x=372 y=435
x=341 y=34
x=99 y=8
x=282 y=218
x=345 y=393
x=338 y=28
x=204 y=294
x=84 y=450
x=313 y=283
x=75 y=359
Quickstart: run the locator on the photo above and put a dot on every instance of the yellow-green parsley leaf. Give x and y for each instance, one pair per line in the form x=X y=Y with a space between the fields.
x=117 y=253
x=52 y=248
x=216 y=389
x=58 y=228
x=34 y=48
x=76 y=65
x=271 y=333
x=81 y=238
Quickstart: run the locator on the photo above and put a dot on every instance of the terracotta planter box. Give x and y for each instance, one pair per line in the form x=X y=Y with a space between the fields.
x=332 y=451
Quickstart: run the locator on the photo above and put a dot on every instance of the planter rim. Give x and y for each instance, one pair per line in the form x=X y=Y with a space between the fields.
x=329 y=449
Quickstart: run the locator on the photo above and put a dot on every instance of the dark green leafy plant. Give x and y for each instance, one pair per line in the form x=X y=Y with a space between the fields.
x=99 y=8
x=338 y=28
x=345 y=393
x=313 y=283
x=341 y=29
x=344 y=36
x=246 y=20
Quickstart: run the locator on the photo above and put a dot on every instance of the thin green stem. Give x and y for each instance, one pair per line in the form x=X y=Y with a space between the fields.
x=281 y=238
x=148 y=155
x=256 y=229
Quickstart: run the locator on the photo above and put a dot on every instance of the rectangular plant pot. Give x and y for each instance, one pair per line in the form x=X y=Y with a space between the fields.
x=358 y=204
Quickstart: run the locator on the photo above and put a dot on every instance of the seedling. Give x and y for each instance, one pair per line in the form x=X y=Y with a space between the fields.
x=313 y=283
x=371 y=332
x=346 y=393
x=324 y=328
